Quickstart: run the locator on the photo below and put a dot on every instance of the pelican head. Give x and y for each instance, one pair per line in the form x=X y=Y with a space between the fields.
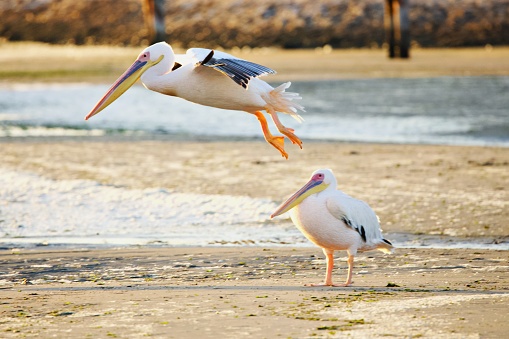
x=160 y=55
x=320 y=180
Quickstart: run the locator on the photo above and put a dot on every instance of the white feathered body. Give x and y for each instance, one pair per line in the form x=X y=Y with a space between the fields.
x=206 y=86
x=323 y=218
x=211 y=78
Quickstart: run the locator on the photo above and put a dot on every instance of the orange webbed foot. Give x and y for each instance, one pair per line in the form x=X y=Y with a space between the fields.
x=288 y=132
x=279 y=143
x=293 y=138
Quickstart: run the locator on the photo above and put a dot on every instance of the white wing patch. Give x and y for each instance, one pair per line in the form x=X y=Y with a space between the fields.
x=355 y=214
x=239 y=70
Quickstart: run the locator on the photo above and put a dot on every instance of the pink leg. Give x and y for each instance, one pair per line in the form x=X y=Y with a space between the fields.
x=350 y=270
x=330 y=267
x=328 y=274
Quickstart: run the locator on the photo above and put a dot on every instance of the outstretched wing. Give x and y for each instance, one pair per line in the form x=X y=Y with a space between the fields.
x=239 y=70
x=355 y=214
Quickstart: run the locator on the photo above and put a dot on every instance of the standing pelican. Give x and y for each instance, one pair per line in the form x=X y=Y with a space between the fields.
x=334 y=221
x=210 y=78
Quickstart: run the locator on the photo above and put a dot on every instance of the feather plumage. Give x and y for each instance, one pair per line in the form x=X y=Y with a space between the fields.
x=210 y=78
x=334 y=220
x=239 y=70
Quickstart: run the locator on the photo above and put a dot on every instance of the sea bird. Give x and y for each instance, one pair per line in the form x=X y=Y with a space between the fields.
x=210 y=78
x=334 y=221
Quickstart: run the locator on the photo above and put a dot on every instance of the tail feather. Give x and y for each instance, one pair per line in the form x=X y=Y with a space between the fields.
x=282 y=101
x=385 y=246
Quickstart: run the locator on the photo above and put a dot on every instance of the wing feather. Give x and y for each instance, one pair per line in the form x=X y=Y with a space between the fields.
x=239 y=70
x=355 y=214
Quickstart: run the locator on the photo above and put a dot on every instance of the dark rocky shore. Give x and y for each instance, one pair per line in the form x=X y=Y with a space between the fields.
x=229 y=23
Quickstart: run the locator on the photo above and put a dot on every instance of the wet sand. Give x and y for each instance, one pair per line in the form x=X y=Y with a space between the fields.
x=438 y=190
x=252 y=292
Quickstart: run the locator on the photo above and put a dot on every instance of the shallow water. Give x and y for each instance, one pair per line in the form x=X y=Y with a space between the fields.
x=444 y=110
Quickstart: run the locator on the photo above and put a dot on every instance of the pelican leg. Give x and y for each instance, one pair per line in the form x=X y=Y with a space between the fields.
x=329 y=255
x=348 y=281
x=330 y=266
x=277 y=141
x=285 y=130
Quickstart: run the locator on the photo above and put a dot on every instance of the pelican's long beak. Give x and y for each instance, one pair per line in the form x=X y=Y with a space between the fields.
x=313 y=186
x=122 y=84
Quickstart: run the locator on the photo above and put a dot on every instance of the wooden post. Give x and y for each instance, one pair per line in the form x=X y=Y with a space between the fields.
x=389 y=27
x=153 y=12
x=404 y=20
x=397 y=28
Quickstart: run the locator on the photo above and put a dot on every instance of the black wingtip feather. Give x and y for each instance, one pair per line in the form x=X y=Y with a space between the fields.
x=176 y=66
x=208 y=57
x=240 y=71
x=362 y=232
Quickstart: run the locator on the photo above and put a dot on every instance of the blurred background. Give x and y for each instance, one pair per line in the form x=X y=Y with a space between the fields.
x=448 y=88
x=261 y=23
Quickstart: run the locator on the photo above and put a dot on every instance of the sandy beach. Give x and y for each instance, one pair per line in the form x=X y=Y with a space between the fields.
x=259 y=292
x=29 y=62
x=252 y=292
x=456 y=192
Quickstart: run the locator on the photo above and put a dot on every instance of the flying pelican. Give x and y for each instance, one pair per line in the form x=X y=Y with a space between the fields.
x=210 y=78
x=334 y=221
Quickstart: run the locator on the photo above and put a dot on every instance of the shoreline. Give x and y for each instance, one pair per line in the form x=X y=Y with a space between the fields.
x=137 y=136
x=403 y=241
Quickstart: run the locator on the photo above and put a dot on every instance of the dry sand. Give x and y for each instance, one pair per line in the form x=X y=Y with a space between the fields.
x=47 y=63
x=258 y=292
